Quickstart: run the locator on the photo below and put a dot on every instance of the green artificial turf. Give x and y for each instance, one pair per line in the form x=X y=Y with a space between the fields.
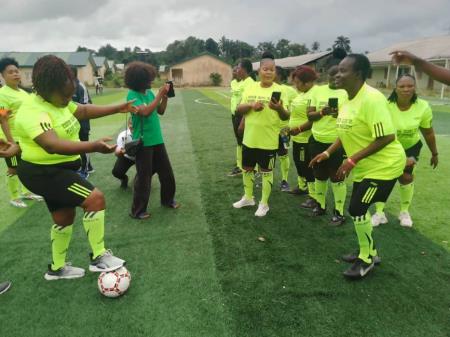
x=201 y=270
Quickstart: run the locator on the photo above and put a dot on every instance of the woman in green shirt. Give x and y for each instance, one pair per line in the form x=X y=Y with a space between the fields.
x=262 y=127
x=153 y=157
x=47 y=125
x=410 y=115
x=374 y=156
x=11 y=97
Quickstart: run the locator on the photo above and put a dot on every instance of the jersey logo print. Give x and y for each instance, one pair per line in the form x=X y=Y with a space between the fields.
x=379 y=130
x=45 y=126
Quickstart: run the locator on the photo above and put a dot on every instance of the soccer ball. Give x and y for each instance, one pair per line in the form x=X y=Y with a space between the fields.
x=114 y=283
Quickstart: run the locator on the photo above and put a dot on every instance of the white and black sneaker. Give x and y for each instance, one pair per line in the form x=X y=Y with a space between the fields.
x=4 y=287
x=67 y=272
x=105 y=263
x=351 y=258
x=359 y=269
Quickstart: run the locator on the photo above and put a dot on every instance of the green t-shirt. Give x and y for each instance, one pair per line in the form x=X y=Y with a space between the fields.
x=11 y=99
x=324 y=129
x=36 y=116
x=152 y=128
x=408 y=122
x=298 y=110
x=243 y=85
x=362 y=120
x=261 y=127
x=235 y=92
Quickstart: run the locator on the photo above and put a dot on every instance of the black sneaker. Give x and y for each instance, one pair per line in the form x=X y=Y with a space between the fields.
x=235 y=172
x=337 y=219
x=352 y=257
x=309 y=203
x=124 y=182
x=318 y=211
x=359 y=269
x=298 y=191
x=284 y=186
x=4 y=287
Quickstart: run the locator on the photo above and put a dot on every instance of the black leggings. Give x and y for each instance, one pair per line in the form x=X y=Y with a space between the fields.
x=121 y=167
x=150 y=160
x=302 y=157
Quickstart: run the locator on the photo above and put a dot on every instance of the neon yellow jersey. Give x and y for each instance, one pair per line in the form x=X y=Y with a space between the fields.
x=243 y=85
x=261 y=127
x=11 y=99
x=360 y=121
x=298 y=109
x=408 y=122
x=37 y=116
x=289 y=93
x=235 y=92
x=324 y=129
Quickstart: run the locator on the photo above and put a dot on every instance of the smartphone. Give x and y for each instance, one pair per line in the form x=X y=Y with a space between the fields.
x=276 y=95
x=333 y=103
x=171 y=92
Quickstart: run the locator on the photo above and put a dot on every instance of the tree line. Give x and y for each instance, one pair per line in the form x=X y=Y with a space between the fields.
x=228 y=49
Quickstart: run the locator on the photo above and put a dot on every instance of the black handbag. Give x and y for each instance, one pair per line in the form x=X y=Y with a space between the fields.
x=133 y=147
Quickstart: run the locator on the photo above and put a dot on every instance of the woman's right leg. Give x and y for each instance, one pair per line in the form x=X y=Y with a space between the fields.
x=248 y=178
x=142 y=182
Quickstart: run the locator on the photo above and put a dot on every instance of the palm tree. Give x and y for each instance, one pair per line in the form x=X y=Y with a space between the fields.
x=342 y=42
x=315 y=46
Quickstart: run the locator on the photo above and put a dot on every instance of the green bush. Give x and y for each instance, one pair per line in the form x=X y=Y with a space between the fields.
x=216 y=79
x=115 y=81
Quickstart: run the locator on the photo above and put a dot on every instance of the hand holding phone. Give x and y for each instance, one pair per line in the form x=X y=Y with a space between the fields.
x=333 y=103
x=171 y=92
x=276 y=95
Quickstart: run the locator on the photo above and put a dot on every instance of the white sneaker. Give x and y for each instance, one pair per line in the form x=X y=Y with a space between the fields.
x=67 y=272
x=31 y=196
x=379 y=219
x=106 y=262
x=262 y=210
x=18 y=203
x=405 y=219
x=244 y=202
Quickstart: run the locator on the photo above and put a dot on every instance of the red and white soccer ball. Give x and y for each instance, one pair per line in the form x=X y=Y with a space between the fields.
x=114 y=283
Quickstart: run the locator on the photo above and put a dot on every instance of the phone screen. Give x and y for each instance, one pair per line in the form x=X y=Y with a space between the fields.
x=276 y=95
x=333 y=103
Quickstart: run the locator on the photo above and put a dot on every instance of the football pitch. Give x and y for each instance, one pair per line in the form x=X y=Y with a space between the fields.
x=204 y=271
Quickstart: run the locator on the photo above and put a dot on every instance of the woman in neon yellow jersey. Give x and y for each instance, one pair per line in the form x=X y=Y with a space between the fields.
x=262 y=126
x=410 y=115
x=376 y=158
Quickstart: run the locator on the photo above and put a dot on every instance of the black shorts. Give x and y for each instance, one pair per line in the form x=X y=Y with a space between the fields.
x=236 y=120
x=282 y=151
x=13 y=162
x=59 y=185
x=302 y=157
x=367 y=192
x=335 y=160
x=264 y=158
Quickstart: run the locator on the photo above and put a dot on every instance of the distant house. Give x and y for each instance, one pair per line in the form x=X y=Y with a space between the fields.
x=111 y=66
x=83 y=61
x=434 y=49
x=316 y=61
x=196 y=71
x=119 y=67
x=163 y=72
x=101 y=65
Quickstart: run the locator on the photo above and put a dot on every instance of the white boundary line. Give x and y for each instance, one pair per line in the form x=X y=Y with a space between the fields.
x=199 y=101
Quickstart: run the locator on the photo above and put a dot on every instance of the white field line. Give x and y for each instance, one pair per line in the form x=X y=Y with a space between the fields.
x=199 y=101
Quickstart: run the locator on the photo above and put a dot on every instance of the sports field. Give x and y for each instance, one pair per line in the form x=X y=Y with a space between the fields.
x=201 y=270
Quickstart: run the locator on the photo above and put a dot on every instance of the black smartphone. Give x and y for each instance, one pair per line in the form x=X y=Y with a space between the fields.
x=332 y=103
x=276 y=95
x=171 y=92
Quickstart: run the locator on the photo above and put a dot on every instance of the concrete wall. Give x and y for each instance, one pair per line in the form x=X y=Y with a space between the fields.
x=196 y=72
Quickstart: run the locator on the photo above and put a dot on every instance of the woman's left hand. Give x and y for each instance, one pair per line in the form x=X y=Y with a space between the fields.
x=128 y=107
x=344 y=170
x=277 y=106
x=434 y=161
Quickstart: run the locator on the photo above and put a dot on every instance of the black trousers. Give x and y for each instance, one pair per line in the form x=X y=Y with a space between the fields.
x=121 y=167
x=150 y=160
x=302 y=157
x=85 y=160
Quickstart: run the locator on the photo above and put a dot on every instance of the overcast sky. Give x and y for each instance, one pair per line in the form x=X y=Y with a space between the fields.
x=60 y=25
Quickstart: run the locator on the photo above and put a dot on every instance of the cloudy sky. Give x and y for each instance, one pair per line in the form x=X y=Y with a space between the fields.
x=60 y=25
